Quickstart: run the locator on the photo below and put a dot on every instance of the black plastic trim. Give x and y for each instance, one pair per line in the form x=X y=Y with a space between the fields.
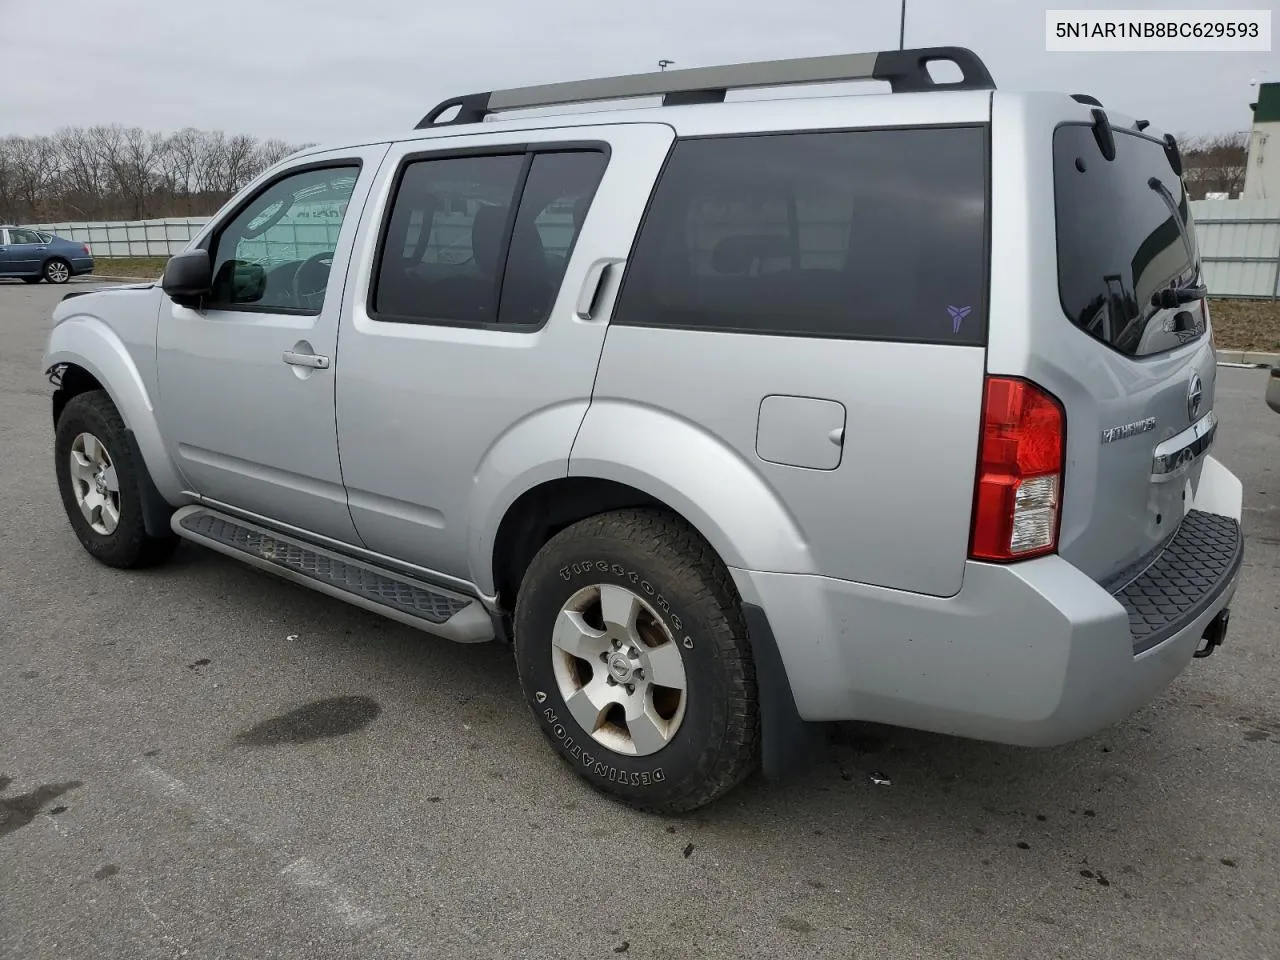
x=1192 y=570
x=1103 y=134
x=1085 y=98
x=474 y=107
x=907 y=71
x=787 y=741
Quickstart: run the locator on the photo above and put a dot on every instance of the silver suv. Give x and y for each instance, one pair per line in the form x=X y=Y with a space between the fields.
x=732 y=417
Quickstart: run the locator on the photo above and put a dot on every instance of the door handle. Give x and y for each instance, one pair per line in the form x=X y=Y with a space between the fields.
x=312 y=360
x=591 y=286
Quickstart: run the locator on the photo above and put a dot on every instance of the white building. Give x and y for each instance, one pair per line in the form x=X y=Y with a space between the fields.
x=1262 y=175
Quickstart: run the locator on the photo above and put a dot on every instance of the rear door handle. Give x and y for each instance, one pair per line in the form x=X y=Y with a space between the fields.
x=312 y=360
x=592 y=285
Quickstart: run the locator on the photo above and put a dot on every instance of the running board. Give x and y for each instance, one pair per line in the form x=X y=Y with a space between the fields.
x=434 y=609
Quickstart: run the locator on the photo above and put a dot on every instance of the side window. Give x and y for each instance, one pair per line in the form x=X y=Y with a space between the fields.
x=446 y=239
x=552 y=208
x=24 y=236
x=453 y=251
x=877 y=234
x=276 y=253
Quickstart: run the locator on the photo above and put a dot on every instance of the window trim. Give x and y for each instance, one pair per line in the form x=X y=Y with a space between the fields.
x=1057 y=245
x=215 y=232
x=982 y=342
x=528 y=151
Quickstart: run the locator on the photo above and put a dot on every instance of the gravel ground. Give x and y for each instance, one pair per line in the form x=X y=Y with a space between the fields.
x=205 y=761
x=1246 y=324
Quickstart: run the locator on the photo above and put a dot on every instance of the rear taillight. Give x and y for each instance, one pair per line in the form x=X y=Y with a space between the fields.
x=86 y=250
x=1017 y=503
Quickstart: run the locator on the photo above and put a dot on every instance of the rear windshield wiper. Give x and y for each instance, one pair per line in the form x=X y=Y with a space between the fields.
x=1167 y=299
x=1194 y=290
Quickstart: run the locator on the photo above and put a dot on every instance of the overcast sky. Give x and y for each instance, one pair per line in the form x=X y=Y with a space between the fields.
x=321 y=70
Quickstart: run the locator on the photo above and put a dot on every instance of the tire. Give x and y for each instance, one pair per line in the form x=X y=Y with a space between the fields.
x=113 y=531
x=32 y=279
x=695 y=747
x=57 y=270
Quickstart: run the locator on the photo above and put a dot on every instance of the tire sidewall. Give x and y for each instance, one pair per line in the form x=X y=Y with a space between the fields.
x=80 y=418
x=690 y=616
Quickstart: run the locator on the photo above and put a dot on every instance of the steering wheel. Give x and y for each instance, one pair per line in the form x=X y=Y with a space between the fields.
x=311 y=278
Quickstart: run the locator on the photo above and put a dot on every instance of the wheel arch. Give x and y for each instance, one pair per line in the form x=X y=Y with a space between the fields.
x=44 y=264
x=85 y=354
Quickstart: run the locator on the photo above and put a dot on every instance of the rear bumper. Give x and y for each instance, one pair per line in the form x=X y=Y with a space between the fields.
x=1034 y=654
x=81 y=266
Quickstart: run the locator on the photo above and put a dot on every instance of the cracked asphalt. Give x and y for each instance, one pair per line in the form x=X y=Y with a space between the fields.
x=205 y=761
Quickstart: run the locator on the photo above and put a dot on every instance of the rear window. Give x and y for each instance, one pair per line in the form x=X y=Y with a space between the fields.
x=1124 y=232
x=871 y=234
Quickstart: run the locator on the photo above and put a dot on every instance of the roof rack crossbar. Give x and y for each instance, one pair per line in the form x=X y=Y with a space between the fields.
x=904 y=70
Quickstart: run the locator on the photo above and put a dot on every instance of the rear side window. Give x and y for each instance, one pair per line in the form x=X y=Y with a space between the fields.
x=1124 y=231
x=455 y=252
x=872 y=234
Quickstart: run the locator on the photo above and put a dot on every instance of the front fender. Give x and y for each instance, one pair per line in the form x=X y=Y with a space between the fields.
x=708 y=483
x=532 y=452
x=87 y=342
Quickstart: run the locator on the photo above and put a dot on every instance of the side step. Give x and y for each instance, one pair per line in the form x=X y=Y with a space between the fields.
x=436 y=610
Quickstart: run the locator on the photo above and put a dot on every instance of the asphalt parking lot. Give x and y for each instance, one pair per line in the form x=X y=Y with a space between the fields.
x=205 y=761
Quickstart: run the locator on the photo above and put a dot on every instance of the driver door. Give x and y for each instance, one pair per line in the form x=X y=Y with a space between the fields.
x=246 y=384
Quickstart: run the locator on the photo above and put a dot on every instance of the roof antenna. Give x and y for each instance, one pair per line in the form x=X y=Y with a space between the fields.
x=902 y=27
x=663 y=64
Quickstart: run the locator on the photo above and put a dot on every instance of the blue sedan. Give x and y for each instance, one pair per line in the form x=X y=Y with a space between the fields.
x=34 y=256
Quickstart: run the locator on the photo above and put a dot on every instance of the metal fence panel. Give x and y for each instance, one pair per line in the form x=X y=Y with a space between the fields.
x=1240 y=246
x=137 y=238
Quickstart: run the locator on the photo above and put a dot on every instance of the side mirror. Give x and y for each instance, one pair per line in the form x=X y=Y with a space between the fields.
x=188 y=278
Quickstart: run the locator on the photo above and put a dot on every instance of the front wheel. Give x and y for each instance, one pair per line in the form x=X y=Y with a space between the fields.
x=634 y=656
x=98 y=480
x=57 y=271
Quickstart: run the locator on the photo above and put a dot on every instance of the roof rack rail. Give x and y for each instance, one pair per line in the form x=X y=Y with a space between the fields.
x=904 y=70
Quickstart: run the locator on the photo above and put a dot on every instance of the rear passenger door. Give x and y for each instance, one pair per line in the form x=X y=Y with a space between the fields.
x=476 y=322
x=816 y=302
x=25 y=252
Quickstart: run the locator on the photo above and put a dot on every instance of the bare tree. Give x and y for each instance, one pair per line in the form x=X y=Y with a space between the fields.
x=1215 y=164
x=112 y=173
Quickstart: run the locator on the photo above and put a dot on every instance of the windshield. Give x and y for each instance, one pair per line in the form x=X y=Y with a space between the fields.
x=1124 y=233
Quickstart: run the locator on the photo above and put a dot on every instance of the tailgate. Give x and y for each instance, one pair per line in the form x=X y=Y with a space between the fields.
x=1143 y=366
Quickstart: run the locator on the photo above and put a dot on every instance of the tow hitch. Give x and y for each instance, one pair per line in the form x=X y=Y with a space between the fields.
x=1214 y=634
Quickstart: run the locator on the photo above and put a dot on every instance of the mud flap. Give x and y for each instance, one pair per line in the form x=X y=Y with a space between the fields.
x=156 y=511
x=787 y=741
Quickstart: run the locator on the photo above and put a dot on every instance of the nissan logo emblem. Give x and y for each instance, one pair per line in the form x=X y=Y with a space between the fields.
x=1195 y=393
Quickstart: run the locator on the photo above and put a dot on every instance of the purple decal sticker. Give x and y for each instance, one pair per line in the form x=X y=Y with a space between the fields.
x=957 y=315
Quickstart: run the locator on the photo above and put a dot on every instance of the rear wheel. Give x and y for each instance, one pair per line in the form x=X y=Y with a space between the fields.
x=57 y=271
x=634 y=656
x=98 y=480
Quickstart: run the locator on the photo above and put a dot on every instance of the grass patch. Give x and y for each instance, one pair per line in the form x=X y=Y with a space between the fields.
x=1246 y=324
x=143 y=268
